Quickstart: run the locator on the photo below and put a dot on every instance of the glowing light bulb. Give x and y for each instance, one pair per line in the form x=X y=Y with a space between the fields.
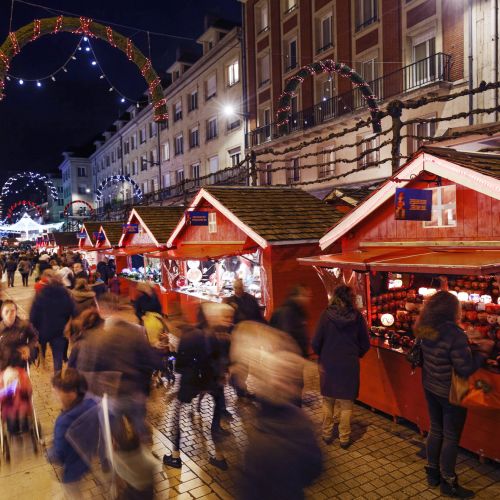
x=21 y=82
x=87 y=49
x=93 y=63
x=38 y=84
x=85 y=39
x=122 y=99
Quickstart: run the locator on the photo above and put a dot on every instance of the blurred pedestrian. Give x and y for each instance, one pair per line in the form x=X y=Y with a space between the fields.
x=341 y=340
x=246 y=307
x=102 y=269
x=66 y=276
x=10 y=268
x=79 y=272
x=24 y=268
x=445 y=349
x=83 y=296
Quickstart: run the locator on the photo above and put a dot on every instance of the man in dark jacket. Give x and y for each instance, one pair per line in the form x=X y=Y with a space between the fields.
x=51 y=310
x=341 y=340
x=291 y=318
x=246 y=307
x=10 y=268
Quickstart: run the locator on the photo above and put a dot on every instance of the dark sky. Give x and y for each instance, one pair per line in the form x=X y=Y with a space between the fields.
x=37 y=124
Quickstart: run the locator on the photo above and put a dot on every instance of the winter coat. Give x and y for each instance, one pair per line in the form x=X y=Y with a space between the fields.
x=122 y=347
x=146 y=303
x=102 y=269
x=51 y=310
x=246 y=308
x=24 y=267
x=291 y=318
x=341 y=340
x=282 y=457
x=11 y=266
x=83 y=300
x=446 y=348
x=62 y=451
x=21 y=333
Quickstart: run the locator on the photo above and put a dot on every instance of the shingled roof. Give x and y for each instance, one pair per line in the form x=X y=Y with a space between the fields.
x=92 y=227
x=161 y=221
x=351 y=194
x=113 y=231
x=277 y=214
x=484 y=163
x=65 y=239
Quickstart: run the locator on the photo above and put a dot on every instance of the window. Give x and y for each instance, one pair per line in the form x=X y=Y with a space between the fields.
x=119 y=152
x=179 y=145
x=82 y=189
x=126 y=147
x=152 y=129
x=369 y=159
x=213 y=164
x=166 y=151
x=212 y=222
x=134 y=167
x=112 y=156
x=179 y=176
x=327 y=168
x=234 y=156
x=262 y=17
x=289 y=6
x=444 y=207
x=152 y=185
x=142 y=135
x=211 y=129
x=233 y=73
x=233 y=123
x=265 y=123
x=368 y=69
x=211 y=87
x=60 y=202
x=178 y=111
x=144 y=188
x=82 y=172
x=144 y=163
x=193 y=100
x=263 y=73
x=365 y=12
x=293 y=171
x=127 y=169
x=108 y=162
x=421 y=131
x=133 y=141
x=424 y=62
x=152 y=157
x=164 y=124
x=290 y=51
x=195 y=173
x=265 y=175
x=166 y=180
x=194 y=137
x=324 y=33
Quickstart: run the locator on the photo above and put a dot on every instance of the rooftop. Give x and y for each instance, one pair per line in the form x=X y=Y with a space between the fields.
x=161 y=221
x=113 y=231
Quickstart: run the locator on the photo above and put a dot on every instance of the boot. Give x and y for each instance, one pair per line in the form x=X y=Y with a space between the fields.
x=451 y=488
x=433 y=476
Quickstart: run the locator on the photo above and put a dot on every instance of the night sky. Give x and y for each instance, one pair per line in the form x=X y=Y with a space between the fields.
x=37 y=124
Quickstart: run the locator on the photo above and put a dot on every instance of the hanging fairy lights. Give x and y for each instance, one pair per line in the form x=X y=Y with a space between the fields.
x=115 y=179
x=31 y=178
x=23 y=203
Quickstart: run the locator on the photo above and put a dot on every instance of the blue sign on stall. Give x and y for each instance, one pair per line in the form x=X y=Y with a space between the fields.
x=99 y=236
x=413 y=204
x=198 y=218
x=130 y=228
x=81 y=236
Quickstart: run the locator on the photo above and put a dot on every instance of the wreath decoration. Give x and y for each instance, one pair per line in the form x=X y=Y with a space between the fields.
x=113 y=179
x=82 y=202
x=23 y=203
x=326 y=66
x=83 y=26
x=32 y=176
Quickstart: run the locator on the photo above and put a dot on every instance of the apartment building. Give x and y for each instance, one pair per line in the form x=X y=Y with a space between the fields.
x=76 y=174
x=204 y=133
x=405 y=49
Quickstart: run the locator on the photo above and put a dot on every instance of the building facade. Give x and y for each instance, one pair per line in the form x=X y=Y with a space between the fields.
x=76 y=178
x=204 y=133
x=405 y=49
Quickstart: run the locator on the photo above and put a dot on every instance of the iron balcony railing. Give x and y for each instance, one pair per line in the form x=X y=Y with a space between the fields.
x=433 y=69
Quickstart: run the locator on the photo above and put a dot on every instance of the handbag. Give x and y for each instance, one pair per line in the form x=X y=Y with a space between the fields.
x=459 y=388
x=415 y=356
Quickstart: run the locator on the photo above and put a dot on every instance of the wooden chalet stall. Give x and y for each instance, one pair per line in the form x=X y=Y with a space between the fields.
x=146 y=231
x=394 y=264
x=110 y=234
x=87 y=239
x=254 y=233
x=64 y=242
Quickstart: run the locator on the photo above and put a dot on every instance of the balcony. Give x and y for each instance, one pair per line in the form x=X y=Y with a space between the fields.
x=428 y=71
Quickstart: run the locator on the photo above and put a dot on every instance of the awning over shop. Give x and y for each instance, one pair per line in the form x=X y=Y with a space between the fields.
x=414 y=260
x=204 y=251
x=132 y=250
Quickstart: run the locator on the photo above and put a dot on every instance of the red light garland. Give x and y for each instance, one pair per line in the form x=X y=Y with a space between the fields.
x=109 y=34
x=59 y=24
x=36 y=29
x=129 y=52
x=146 y=67
x=14 y=42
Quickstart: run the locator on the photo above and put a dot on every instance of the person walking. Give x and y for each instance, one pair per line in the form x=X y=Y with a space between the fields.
x=51 y=309
x=340 y=341
x=83 y=296
x=24 y=269
x=246 y=306
x=445 y=350
x=10 y=268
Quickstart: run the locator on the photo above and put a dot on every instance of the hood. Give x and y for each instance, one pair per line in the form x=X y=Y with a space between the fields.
x=82 y=295
x=340 y=316
x=433 y=332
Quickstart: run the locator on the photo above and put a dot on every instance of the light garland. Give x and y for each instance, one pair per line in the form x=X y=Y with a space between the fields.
x=81 y=202
x=32 y=177
x=114 y=179
x=327 y=66
x=23 y=203
x=86 y=26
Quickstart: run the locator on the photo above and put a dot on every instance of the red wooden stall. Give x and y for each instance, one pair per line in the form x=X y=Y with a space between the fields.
x=271 y=227
x=459 y=250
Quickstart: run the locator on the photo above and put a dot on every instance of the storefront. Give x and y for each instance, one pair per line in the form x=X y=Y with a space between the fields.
x=64 y=242
x=395 y=261
x=87 y=239
x=108 y=238
x=146 y=231
x=252 y=233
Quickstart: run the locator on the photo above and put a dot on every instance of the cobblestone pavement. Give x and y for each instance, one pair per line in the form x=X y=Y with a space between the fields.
x=385 y=460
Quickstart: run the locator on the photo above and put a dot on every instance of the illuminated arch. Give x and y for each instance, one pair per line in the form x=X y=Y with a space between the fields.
x=25 y=203
x=327 y=66
x=114 y=179
x=33 y=176
x=81 y=202
x=84 y=26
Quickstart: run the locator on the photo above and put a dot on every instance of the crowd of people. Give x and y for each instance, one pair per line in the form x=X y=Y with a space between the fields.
x=102 y=351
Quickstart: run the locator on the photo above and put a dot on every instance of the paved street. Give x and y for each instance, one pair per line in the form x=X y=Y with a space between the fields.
x=385 y=461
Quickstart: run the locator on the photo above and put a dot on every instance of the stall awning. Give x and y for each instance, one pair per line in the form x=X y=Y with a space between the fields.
x=204 y=252
x=414 y=260
x=132 y=250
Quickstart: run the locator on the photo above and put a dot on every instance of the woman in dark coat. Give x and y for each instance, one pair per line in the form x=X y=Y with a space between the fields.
x=445 y=348
x=341 y=340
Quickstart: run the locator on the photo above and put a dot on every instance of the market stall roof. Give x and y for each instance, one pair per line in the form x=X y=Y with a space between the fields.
x=91 y=227
x=159 y=222
x=203 y=251
x=268 y=214
x=66 y=239
x=113 y=231
x=477 y=171
x=351 y=195
x=412 y=260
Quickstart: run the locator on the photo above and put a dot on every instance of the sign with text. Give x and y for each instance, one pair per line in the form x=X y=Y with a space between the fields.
x=99 y=236
x=413 y=204
x=130 y=228
x=81 y=236
x=197 y=218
